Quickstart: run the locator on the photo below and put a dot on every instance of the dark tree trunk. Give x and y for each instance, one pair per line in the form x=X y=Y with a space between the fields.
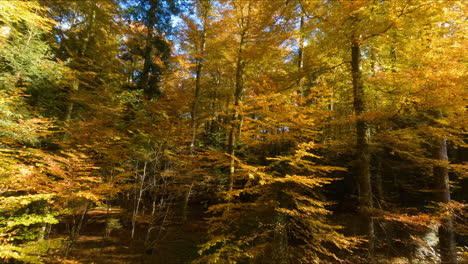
x=150 y=88
x=145 y=73
x=362 y=146
x=205 y=6
x=448 y=252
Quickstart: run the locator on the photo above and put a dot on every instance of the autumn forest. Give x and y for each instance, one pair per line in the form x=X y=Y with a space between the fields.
x=233 y=131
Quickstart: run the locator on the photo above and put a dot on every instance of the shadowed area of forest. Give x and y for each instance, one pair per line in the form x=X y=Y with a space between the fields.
x=233 y=131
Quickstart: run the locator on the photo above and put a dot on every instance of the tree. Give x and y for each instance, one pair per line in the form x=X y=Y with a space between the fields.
x=155 y=16
x=36 y=179
x=313 y=131
x=24 y=210
x=270 y=165
x=436 y=107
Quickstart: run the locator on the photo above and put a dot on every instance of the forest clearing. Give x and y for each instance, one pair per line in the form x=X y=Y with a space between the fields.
x=233 y=132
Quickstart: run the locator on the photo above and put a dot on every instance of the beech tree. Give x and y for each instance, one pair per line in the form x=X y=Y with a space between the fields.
x=155 y=17
x=233 y=131
x=37 y=180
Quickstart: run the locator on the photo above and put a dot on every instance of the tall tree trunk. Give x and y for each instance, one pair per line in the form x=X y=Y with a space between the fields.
x=239 y=86
x=378 y=187
x=300 y=61
x=144 y=82
x=235 y=121
x=448 y=252
x=362 y=146
x=205 y=6
x=81 y=53
x=300 y=54
x=148 y=61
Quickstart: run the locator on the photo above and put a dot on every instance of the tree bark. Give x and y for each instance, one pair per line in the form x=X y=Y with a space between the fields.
x=300 y=55
x=144 y=83
x=239 y=86
x=235 y=125
x=362 y=146
x=280 y=256
x=82 y=53
x=448 y=252
x=300 y=61
x=204 y=6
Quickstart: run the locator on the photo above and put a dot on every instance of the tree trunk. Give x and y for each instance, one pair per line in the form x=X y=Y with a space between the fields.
x=138 y=197
x=362 y=146
x=300 y=55
x=204 y=5
x=300 y=60
x=232 y=139
x=379 y=190
x=70 y=105
x=448 y=252
x=144 y=76
x=280 y=255
x=239 y=86
x=75 y=228
x=148 y=64
x=82 y=53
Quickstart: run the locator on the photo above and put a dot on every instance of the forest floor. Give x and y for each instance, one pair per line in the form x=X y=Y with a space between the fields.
x=177 y=244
